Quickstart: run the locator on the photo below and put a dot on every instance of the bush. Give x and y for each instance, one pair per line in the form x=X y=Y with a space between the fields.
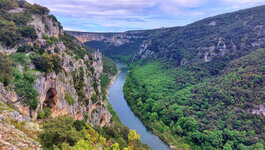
x=40 y=114
x=50 y=40
x=58 y=131
x=28 y=31
x=24 y=87
x=37 y=9
x=7 y=4
x=69 y=98
x=21 y=18
x=46 y=62
x=47 y=112
x=21 y=49
x=20 y=58
x=5 y=69
x=9 y=35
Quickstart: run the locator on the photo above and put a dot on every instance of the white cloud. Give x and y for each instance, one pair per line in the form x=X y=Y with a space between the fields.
x=137 y=14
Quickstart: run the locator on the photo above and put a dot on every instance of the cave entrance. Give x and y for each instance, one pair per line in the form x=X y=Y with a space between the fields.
x=51 y=98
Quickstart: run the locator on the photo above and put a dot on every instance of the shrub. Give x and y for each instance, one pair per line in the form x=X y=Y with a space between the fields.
x=47 y=112
x=56 y=50
x=69 y=98
x=57 y=63
x=28 y=31
x=24 y=87
x=7 y=4
x=20 y=58
x=5 y=69
x=9 y=35
x=37 y=9
x=58 y=131
x=40 y=114
x=21 y=18
x=21 y=49
x=50 y=40
x=46 y=62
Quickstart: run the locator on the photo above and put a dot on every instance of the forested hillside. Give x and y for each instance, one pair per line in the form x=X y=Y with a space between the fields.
x=202 y=86
x=120 y=46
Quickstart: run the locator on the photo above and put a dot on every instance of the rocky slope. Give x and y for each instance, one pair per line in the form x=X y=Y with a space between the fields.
x=78 y=77
x=16 y=131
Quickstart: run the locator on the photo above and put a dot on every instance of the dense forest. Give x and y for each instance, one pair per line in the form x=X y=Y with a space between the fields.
x=214 y=113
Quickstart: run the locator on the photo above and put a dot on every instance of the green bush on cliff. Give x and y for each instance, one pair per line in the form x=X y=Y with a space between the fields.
x=24 y=87
x=46 y=62
x=5 y=69
x=69 y=98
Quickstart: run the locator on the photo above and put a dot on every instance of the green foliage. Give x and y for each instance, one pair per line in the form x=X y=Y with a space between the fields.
x=46 y=113
x=208 y=111
x=24 y=87
x=72 y=45
x=28 y=31
x=9 y=34
x=7 y=4
x=46 y=62
x=58 y=131
x=65 y=133
x=79 y=84
x=20 y=58
x=5 y=69
x=109 y=67
x=13 y=26
x=21 y=49
x=50 y=40
x=21 y=19
x=69 y=98
x=104 y=82
x=37 y=9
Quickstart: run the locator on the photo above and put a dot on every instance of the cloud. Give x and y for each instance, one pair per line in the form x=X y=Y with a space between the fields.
x=120 y=15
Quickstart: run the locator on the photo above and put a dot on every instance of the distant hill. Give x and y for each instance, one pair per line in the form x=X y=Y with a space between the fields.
x=117 y=45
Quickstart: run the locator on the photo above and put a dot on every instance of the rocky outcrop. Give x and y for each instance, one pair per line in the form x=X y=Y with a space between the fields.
x=52 y=87
x=16 y=131
x=115 y=38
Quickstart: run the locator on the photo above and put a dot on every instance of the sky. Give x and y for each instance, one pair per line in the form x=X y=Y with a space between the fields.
x=124 y=15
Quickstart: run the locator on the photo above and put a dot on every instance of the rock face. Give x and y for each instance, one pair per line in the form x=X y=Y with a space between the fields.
x=52 y=87
x=16 y=131
x=115 y=38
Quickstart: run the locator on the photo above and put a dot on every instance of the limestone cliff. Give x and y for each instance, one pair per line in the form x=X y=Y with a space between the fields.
x=115 y=38
x=78 y=68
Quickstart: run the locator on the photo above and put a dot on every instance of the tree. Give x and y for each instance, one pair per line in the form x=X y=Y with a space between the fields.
x=24 y=87
x=58 y=131
x=5 y=69
x=188 y=124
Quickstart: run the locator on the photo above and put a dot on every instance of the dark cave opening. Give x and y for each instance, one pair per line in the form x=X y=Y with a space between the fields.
x=51 y=98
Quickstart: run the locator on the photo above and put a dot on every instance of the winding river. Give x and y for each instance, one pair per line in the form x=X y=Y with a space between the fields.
x=127 y=117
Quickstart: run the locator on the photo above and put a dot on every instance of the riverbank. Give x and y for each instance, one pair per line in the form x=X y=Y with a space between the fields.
x=127 y=117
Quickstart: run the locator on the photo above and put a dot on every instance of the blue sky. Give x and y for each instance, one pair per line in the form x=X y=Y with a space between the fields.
x=123 y=15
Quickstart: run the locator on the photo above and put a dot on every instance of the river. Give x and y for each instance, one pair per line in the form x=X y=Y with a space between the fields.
x=127 y=117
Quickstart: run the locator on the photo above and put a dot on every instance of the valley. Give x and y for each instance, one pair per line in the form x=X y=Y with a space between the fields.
x=201 y=85
x=198 y=86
